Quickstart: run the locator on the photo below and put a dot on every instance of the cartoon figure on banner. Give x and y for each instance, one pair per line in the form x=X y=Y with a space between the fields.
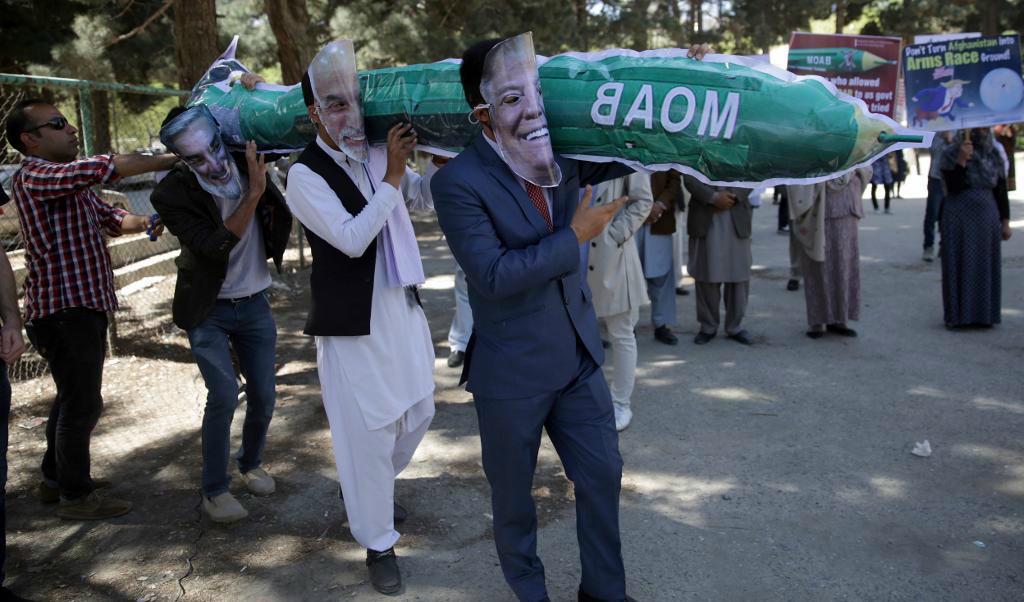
x=511 y=87
x=332 y=75
x=939 y=101
x=848 y=60
x=194 y=136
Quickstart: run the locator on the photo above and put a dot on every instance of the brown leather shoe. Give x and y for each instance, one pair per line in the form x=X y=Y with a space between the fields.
x=51 y=495
x=93 y=507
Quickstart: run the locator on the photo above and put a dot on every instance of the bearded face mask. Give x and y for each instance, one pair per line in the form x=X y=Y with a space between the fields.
x=194 y=137
x=332 y=75
x=511 y=86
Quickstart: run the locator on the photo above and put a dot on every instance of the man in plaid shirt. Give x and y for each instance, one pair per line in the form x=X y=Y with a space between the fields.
x=69 y=288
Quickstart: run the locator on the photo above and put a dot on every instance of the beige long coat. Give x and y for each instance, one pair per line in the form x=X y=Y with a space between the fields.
x=614 y=273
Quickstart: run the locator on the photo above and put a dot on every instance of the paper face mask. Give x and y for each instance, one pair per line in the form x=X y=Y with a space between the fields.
x=511 y=86
x=332 y=75
x=194 y=137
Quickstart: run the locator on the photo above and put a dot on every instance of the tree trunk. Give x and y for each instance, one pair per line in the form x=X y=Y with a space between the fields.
x=195 y=39
x=840 y=15
x=990 y=18
x=289 y=20
x=101 y=141
x=638 y=25
x=580 y=9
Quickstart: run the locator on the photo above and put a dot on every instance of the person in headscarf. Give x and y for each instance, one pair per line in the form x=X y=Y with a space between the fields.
x=375 y=357
x=975 y=216
x=824 y=224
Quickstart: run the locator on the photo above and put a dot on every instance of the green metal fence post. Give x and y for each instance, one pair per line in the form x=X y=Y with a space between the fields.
x=85 y=101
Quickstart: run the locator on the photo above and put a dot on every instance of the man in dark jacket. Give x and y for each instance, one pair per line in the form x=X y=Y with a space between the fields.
x=719 y=227
x=229 y=222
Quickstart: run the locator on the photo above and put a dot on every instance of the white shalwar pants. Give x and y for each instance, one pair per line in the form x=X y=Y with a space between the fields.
x=620 y=331
x=369 y=461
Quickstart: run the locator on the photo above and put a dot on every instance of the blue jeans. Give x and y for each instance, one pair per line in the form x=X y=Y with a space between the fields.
x=5 y=415
x=936 y=192
x=248 y=327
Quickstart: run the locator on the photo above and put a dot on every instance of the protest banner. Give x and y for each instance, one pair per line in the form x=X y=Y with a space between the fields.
x=865 y=67
x=963 y=83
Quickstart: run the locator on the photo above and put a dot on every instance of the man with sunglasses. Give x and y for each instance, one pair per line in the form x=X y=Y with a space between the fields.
x=70 y=287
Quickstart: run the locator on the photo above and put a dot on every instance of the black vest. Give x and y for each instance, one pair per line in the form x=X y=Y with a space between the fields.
x=341 y=287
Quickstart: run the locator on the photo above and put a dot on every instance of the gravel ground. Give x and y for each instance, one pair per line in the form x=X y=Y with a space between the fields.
x=777 y=472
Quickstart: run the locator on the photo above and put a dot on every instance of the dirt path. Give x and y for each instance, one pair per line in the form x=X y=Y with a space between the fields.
x=778 y=472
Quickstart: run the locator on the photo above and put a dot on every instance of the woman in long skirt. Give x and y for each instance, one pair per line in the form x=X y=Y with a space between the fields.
x=975 y=218
x=825 y=219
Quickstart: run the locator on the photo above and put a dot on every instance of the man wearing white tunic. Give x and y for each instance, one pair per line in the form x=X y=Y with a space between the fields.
x=374 y=353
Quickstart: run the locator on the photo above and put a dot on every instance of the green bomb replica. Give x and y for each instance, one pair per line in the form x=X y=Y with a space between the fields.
x=726 y=120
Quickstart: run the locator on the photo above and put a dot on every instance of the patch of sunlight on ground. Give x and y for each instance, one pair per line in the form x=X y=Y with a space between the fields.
x=926 y=392
x=1015 y=485
x=734 y=394
x=888 y=487
x=1002 y=525
x=674 y=495
x=441 y=282
x=986 y=452
x=986 y=403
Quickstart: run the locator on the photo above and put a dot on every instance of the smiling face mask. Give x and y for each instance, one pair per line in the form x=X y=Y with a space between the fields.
x=194 y=137
x=511 y=86
x=332 y=75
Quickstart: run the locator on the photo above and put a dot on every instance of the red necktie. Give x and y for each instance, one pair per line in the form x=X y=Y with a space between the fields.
x=536 y=195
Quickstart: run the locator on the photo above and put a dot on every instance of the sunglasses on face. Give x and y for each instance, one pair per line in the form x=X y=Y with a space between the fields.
x=57 y=123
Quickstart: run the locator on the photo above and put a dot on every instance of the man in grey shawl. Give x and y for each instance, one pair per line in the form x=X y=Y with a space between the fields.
x=824 y=222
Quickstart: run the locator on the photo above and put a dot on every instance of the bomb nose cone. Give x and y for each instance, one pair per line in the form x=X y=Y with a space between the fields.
x=869 y=137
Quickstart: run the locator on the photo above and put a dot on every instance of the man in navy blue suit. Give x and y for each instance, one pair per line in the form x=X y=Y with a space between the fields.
x=513 y=217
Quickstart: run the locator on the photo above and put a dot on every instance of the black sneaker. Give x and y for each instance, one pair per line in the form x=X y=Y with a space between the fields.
x=702 y=338
x=841 y=329
x=742 y=337
x=663 y=334
x=456 y=358
x=793 y=285
x=384 y=574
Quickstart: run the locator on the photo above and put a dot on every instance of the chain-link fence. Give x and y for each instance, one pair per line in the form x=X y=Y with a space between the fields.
x=110 y=118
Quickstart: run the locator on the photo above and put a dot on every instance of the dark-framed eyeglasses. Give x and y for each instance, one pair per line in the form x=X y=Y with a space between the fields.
x=57 y=123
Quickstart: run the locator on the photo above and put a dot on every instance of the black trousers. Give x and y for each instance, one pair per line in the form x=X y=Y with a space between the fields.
x=783 y=208
x=73 y=343
x=5 y=415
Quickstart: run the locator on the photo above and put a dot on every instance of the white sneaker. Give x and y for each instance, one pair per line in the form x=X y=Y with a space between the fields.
x=623 y=416
x=224 y=508
x=258 y=482
x=929 y=254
